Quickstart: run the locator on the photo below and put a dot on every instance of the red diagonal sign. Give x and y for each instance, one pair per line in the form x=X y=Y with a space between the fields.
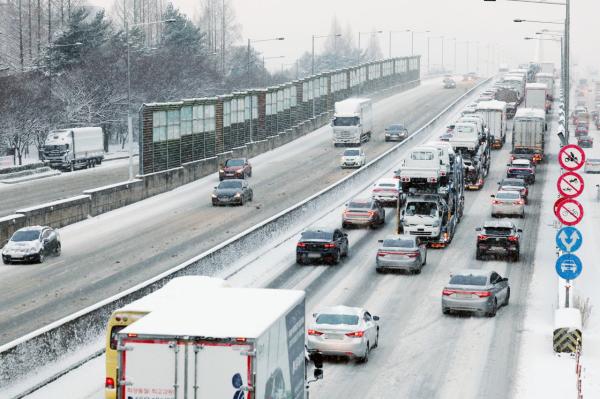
x=570 y=185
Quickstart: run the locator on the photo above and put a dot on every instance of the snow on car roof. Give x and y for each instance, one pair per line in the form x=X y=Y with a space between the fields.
x=388 y=180
x=472 y=272
x=220 y=313
x=492 y=105
x=521 y=162
x=536 y=86
x=31 y=228
x=530 y=113
x=498 y=223
x=340 y=309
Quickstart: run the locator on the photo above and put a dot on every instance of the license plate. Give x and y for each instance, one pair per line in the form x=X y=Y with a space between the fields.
x=314 y=255
x=463 y=296
x=333 y=336
x=224 y=199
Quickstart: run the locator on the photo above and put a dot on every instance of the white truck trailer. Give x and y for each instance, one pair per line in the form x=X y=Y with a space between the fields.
x=528 y=134
x=233 y=343
x=535 y=96
x=494 y=114
x=352 y=121
x=74 y=148
x=548 y=80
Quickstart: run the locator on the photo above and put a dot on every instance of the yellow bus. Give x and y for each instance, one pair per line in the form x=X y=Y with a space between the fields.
x=179 y=289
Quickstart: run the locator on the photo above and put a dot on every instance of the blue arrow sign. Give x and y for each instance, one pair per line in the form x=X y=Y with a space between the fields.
x=568 y=239
x=568 y=266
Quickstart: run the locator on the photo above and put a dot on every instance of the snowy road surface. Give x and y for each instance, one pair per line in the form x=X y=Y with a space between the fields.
x=422 y=353
x=106 y=254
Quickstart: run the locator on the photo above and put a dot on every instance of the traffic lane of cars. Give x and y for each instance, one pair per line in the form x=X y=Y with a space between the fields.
x=114 y=251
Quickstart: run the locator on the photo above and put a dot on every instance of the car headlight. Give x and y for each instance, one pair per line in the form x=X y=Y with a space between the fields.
x=221 y=171
x=214 y=195
x=237 y=195
x=436 y=223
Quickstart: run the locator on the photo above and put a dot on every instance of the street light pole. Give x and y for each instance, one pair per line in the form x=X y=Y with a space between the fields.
x=335 y=36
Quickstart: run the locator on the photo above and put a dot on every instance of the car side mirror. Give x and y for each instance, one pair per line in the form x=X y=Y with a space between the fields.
x=507 y=164
x=376 y=318
x=379 y=241
x=519 y=230
x=45 y=241
x=318 y=373
x=215 y=187
x=504 y=279
x=345 y=234
x=478 y=229
x=493 y=196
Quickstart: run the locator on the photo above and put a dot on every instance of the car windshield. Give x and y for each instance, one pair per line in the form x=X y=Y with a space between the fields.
x=230 y=184
x=28 y=235
x=513 y=182
x=498 y=231
x=234 y=162
x=395 y=127
x=359 y=205
x=508 y=195
x=421 y=208
x=345 y=121
x=347 y=319
x=317 y=235
x=421 y=155
x=399 y=243
x=351 y=153
x=468 y=280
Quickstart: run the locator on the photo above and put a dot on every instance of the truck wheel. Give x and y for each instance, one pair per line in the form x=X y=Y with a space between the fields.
x=99 y=161
x=478 y=255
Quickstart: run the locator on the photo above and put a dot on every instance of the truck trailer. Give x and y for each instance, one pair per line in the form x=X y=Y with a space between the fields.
x=535 y=96
x=494 y=114
x=232 y=343
x=74 y=148
x=352 y=121
x=528 y=134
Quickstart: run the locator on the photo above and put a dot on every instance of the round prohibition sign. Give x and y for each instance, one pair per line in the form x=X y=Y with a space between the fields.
x=569 y=212
x=570 y=185
x=571 y=157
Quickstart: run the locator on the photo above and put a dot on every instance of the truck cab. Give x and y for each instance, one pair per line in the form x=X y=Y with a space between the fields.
x=423 y=216
x=352 y=121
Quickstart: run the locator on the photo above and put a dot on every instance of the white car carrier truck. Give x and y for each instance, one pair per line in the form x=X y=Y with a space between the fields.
x=352 y=121
x=240 y=343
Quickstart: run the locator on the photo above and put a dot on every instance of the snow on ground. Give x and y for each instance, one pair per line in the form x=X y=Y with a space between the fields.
x=541 y=372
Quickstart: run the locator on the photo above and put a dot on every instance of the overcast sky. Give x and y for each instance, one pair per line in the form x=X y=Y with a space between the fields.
x=476 y=20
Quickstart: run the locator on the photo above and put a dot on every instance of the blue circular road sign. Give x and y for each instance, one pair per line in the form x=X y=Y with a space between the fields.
x=568 y=266
x=568 y=239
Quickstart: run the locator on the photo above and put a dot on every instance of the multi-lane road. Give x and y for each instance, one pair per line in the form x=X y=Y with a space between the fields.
x=111 y=252
x=422 y=353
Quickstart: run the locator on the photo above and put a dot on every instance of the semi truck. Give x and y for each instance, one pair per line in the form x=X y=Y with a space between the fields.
x=432 y=194
x=510 y=96
x=352 y=121
x=494 y=114
x=528 y=134
x=74 y=148
x=548 y=80
x=475 y=151
x=535 y=96
x=230 y=343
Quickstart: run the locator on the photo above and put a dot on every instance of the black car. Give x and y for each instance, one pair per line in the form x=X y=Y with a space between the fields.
x=514 y=184
x=498 y=238
x=396 y=132
x=449 y=83
x=327 y=245
x=232 y=192
x=31 y=244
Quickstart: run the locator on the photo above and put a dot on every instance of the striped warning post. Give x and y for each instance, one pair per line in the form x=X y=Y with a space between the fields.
x=567 y=340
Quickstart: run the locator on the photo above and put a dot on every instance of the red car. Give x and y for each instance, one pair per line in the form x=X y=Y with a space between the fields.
x=235 y=168
x=582 y=129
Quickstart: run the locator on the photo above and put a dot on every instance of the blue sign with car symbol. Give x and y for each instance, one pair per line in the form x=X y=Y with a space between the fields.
x=568 y=266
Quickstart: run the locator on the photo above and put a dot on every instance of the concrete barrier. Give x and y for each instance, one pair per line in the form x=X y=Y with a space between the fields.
x=9 y=224
x=107 y=198
x=18 y=168
x=58 y=213
x=47 y=344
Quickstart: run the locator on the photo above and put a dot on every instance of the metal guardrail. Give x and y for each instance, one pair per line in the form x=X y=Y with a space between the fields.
x=46 y=345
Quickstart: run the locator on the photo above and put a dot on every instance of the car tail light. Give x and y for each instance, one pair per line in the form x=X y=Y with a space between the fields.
x=513 y=238
x=371 y=213
x=109 y=383
x=301 y=245
x=356 y=334
x=381 y=253
x=376 y=190
x=443 y=173
x=482 y=237
x=432 y=179
x=329 y=245
x=448 y=292
x=496 y=202
x=314 y=332
x=482 y=294
x=412 y=254
x=405 y=179
x=519 y=202
x=512 y=157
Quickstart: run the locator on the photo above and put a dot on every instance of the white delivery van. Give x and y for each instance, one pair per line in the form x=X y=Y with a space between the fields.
x=352 y=121
x=74 y=148
x=494 y=114
x=231 y=343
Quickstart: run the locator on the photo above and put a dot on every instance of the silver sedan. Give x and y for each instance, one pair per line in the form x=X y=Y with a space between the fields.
x=343 y=331
x=403 y=252
x=508 y=203
x=475 y=291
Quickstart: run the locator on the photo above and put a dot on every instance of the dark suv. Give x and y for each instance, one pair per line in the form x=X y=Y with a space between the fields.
x=328 y=245
x=498 y=238
x=235 y=168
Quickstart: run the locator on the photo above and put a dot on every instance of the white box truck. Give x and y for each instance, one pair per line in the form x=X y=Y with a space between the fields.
x=352 y=121
x=74 y=148
x=548 y=80
x=233 y=343
x=535 y=96
x=529 y=126
x=494 y=114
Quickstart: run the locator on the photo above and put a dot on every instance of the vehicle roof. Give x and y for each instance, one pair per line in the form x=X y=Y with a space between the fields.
x=388 y=180
x=507 y=192
x=361 y=200
x=230 y=180
x=472 y=272
x=498 y=223
x=236 y=159
x=240 y=312
x=530 y=113
x=319 y=229
x=32 y=228
x=585 y=138
x=492 y=105
x=536 y=86
x=521 y=161
x=396 y=124
x=341 y=309
x=513 y=179
x=178 y=289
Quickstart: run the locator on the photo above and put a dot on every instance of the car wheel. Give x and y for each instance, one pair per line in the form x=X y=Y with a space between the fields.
x=300 y=261
x=425 y=260
x=445 y=311
x=6 y=262
x=41 y=257
x=386 y=139
x=336 y=258
x=505 y=303
x=365 y=358
x=242 y=201
x=345 y=253
x=345 y=225
x=478 y=255
x=417 y=271
x=522 y=216
x=57 y=250
x=516 y=256
x=379 y=269
x=492 y=312
x=376 y=339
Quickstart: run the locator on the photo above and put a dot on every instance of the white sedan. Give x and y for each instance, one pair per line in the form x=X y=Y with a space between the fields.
x=508 y=203
x=343 y=331
x=353 y=158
